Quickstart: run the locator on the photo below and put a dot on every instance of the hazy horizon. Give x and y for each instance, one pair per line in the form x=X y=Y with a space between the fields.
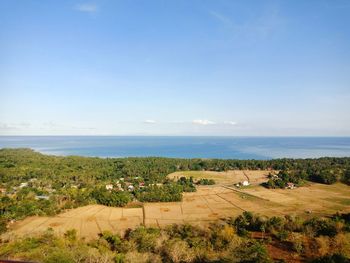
x=175 y=68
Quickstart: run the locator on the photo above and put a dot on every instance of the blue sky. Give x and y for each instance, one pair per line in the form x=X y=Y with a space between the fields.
x=187 y=67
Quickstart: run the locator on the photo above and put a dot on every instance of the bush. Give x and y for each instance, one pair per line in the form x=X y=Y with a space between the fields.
x=165 y=193
x=61 y=256
x=3 y=226
x=110 y=198
x=177 y=250
x=324 y=177
x=250 y=252
x=336 y=258
x=346 y=176
x=113 y=240
x=322 y=227
x=206 y=182
x=145 y=238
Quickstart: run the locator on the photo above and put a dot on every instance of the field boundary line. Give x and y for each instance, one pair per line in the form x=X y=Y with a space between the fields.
x=98 y=225
x=207 y=202
x=231 y=203
x=110 y=213
x=241 y=192
x=98 y=211
x=246 y=175
x=143 y=215
x=34 y=228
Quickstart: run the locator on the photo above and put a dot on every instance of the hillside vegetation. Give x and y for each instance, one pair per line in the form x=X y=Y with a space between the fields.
x=247 y=238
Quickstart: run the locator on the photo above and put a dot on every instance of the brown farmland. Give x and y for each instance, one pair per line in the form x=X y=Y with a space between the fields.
x=228 y=177
x=209 y=203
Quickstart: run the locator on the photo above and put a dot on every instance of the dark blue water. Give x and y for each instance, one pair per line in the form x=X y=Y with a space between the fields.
x=184 y=147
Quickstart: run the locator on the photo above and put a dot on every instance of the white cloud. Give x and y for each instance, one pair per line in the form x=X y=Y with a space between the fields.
x=86 y=7
x=230 y=122
x=222 y=18
x=43 y=128
x=261 y=25
x=203 y=122
x=14 y=126
x=150 y=122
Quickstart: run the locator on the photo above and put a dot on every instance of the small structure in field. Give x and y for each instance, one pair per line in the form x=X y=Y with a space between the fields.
x=42 y=197
x=290 y=186
x=157 y=184
x=23 y=185
x=245 y=183
x=131 y=188
x=119 y=187
x=109 y=186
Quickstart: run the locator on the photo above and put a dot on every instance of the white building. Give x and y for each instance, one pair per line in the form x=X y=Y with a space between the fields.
x=245 y=183
x=23 y=185
x=109 y=186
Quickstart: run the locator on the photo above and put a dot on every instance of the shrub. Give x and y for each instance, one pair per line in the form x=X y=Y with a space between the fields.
x=165 y=193
x=322 y=227
x=145 y=238
x=110 y=198
x=336 y=258
x=177 y=250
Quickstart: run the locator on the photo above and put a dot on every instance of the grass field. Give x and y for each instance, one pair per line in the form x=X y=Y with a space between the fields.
x=88 y=221
x=209 y=203
x=315 y=198
x=228 y=177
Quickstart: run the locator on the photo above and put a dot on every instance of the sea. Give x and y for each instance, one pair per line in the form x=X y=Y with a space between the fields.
x=258 y=148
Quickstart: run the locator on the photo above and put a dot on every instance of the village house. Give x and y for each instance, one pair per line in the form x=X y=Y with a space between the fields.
x=158 y=184
x=109 y=186
x=290 y=186
x=23 y=185
x=131 y=188
x=119 y=187
x=42 y=197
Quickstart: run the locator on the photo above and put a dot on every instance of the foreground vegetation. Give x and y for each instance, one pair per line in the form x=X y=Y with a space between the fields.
x=246 y=238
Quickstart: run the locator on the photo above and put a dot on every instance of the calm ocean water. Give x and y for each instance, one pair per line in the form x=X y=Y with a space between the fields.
x=184 y=147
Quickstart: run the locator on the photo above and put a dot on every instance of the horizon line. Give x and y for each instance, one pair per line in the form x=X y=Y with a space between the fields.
x=143 y=135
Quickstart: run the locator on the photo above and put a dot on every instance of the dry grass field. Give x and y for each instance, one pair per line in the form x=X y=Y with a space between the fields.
x=228 y=177
x=209 y=203
x=89 y=221
x=318 y=199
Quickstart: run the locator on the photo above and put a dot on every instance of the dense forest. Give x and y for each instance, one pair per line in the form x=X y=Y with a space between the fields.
x=247 y=238
x=17 y=165
x=36 y=184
